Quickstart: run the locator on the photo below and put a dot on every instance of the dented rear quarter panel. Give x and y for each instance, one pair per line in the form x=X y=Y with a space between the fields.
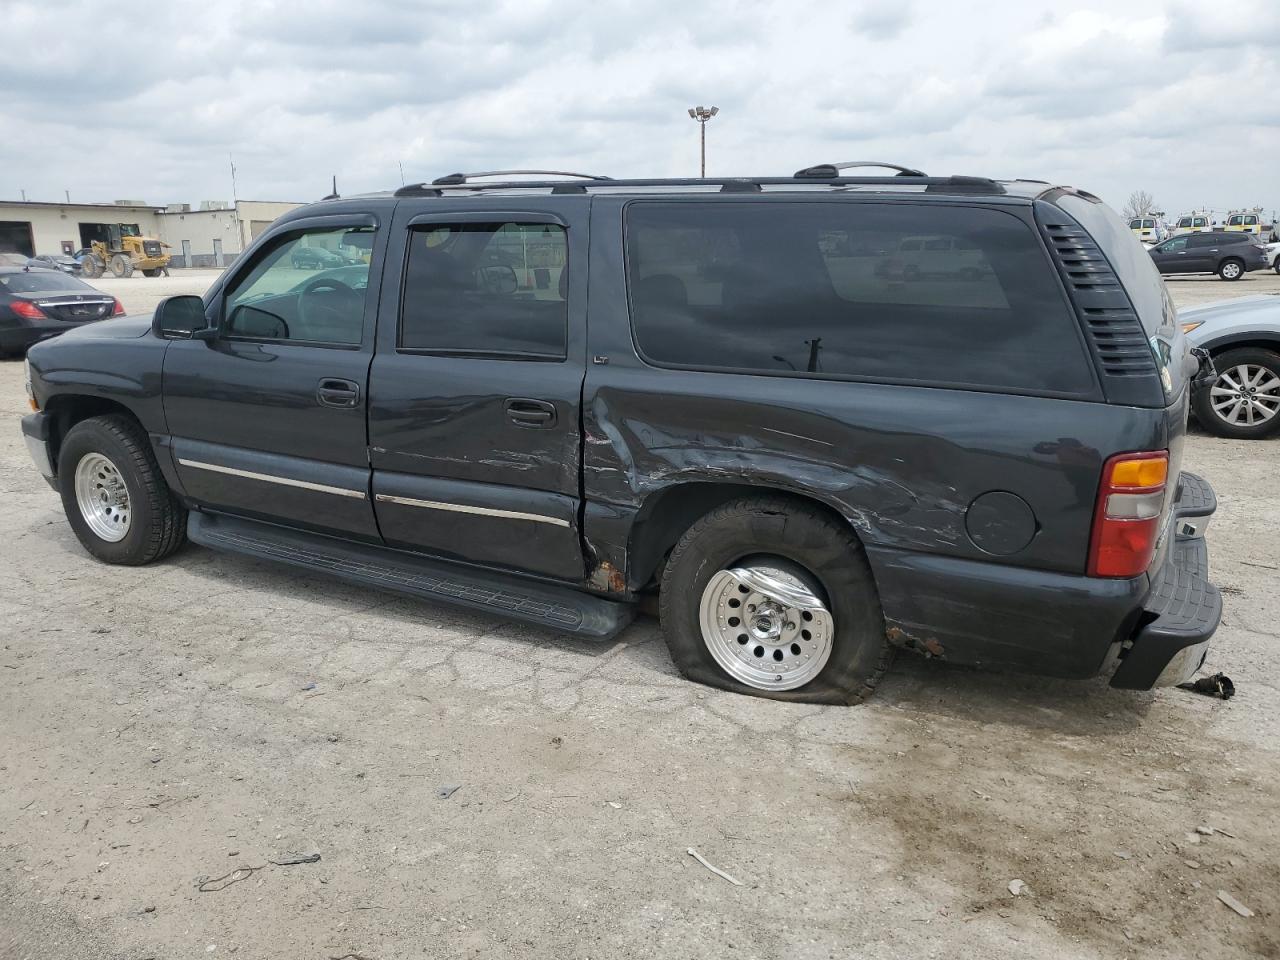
x=900 y=463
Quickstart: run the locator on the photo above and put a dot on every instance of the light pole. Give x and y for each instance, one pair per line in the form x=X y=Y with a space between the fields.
x=702 y=115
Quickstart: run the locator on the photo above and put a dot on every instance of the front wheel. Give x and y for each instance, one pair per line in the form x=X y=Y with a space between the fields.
x=773 y=597
x=114 y=495
x=1231 y=270
x=1244 y=401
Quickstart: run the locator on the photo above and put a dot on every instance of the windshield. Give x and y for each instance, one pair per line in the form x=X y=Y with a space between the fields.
x=42 y=281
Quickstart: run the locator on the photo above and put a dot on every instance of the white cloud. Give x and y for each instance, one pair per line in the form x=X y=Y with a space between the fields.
x=1111 y=97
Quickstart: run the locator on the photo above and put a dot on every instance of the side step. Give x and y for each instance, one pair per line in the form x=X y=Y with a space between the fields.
x=512 y=597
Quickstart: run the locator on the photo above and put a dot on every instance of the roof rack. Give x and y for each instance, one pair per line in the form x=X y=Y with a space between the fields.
x=825 y=171
x=454 y=179
x=953 y=184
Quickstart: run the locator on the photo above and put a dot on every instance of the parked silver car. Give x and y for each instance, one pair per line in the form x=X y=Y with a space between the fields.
x=1243 y=337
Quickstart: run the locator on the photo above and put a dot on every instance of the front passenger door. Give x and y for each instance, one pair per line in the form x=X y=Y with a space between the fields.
x=267 y=419
x=1171 y=256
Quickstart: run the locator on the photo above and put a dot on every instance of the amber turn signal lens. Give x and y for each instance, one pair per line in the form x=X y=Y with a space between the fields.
x=1144 y=472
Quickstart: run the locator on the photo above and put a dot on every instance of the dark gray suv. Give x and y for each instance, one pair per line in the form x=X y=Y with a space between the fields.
x=819 y=418
x=1229 y=255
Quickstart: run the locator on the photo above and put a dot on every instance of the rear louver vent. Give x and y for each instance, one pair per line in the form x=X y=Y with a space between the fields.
x=1115 y=333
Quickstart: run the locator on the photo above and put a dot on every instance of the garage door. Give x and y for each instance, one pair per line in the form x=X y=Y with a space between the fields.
x=15 y=237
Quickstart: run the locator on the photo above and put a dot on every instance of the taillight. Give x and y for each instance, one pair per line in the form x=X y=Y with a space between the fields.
x=118 y=309
x=1126 y=524
x=27 y=309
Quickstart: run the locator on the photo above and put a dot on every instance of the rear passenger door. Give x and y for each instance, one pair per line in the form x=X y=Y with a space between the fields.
x=475 y=387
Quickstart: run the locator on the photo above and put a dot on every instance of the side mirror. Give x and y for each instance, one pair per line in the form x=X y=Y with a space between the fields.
x=181 y=318
x=498 y=279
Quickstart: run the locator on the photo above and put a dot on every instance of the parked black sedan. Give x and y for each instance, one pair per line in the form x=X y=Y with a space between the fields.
x=1229 y=255
x=38 y=304
x=56 y=261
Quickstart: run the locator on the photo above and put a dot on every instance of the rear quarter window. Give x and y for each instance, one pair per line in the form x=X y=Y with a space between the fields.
x=913 y=293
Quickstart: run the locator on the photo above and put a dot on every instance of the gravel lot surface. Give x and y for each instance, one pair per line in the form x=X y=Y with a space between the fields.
x=162 y=727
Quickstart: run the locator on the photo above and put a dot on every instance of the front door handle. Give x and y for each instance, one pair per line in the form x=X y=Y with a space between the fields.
x=524 y=412
x=335 y=392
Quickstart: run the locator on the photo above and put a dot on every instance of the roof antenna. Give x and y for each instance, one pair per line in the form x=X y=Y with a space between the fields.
x=334 y=195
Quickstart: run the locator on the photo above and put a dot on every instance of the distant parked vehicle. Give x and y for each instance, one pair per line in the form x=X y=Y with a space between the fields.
x=315 y=258
x=56 y=261
x=1244 y=223
x=1243 y=338
x=1272 y=253
x=42 y=303
x=1193 y=223
x=934 y=257
x=1148 y=229
x=1229 y=255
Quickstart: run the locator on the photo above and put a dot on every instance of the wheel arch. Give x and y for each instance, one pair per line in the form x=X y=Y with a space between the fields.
x=65 y=410
x=666 y=514
x=1236 y=341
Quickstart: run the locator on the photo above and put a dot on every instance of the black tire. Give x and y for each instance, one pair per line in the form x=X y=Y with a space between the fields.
x=1276 y=266
x=807 y=537
x=1231 y=269
x=155 y=272
x=1225 y=362
x=158 y=522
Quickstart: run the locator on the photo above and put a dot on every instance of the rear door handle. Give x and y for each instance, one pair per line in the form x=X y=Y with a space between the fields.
x=524 y=412
x=335 y=392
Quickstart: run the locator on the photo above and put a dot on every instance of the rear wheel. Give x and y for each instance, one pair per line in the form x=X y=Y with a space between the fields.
x=1244 y=401
x=121 y=266
x=773 y=597
x=114 y=495
x=153 y=272
x=1231 y=270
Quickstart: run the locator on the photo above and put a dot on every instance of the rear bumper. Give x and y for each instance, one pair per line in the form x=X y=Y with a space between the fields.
x=1183 y=609
x=1157 y=626
x=28 y=333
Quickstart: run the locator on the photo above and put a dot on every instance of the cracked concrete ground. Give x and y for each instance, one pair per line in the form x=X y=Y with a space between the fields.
x=162 y=727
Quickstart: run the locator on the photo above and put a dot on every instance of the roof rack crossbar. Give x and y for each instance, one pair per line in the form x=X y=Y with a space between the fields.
x=825 y=171
x=453 y=179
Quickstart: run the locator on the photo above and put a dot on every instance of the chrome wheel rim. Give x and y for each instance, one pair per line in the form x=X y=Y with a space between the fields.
x=1231 y=270
x=765 y=626
x=1247 y=395
x=102 y=497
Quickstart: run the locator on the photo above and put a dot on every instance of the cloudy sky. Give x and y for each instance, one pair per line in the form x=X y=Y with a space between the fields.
x=1163 y=95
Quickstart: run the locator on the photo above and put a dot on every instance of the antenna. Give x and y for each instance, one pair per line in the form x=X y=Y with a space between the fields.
x=334 y=195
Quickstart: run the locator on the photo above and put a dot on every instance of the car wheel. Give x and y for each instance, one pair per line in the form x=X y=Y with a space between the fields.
x=114 y=495
x=1244 y=401
x=1276 y=266
x=774 y=598
x=1231 y=270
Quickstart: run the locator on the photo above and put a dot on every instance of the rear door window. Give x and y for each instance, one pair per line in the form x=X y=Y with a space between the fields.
x=930 y=294
x=486 y=289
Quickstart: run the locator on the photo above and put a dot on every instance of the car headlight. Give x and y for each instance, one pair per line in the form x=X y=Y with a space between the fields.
x=1192 y=325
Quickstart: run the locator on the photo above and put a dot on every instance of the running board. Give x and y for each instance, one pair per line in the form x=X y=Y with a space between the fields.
x=513 y=597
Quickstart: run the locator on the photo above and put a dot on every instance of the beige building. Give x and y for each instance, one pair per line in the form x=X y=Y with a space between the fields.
x=212 y=235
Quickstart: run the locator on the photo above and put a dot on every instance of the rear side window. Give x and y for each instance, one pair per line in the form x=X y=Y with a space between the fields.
x=486 y=289
x=932 y=294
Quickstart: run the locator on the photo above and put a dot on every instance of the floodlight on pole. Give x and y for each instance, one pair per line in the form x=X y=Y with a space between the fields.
x=702 y=115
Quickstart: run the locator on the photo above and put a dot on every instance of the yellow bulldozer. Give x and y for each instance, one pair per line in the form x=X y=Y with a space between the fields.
x=123 y=252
